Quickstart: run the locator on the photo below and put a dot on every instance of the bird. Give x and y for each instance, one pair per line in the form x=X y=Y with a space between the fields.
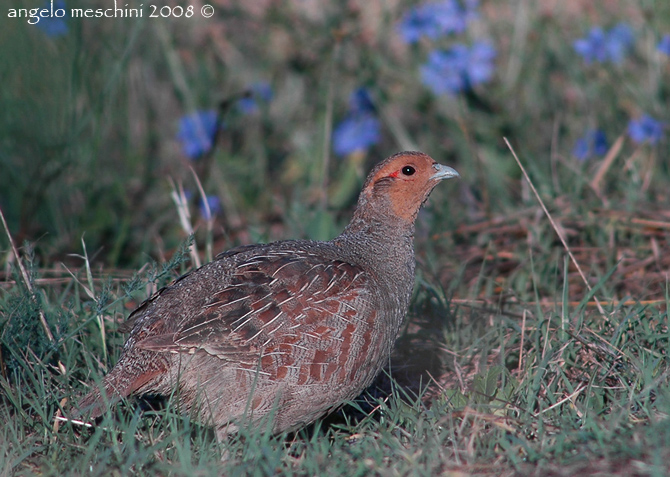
x=281 y=334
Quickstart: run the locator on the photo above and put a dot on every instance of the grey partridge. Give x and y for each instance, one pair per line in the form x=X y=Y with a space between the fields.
x=285 y=331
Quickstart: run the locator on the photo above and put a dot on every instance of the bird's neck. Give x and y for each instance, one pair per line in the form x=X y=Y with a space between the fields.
x=386 y=228
x=384 y=244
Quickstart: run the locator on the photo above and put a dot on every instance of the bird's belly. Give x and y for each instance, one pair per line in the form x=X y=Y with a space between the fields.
x=292 y=386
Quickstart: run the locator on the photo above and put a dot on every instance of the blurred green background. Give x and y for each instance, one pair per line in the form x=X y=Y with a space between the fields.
x=91 y=115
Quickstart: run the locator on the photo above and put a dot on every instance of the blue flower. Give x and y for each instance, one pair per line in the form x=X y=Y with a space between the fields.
x=645 y=129
x=54 y=26
x=188 y=194
x=621 y=38
x=593 y=143
x=458 y=68
x=357 y=132
x=479 y=67
x=603 y=46
x=443 y=72
x=197 y=132
x=360 y=129
x=214 y=204
x=592 y=48
x=257 y=91
x=361 y=102
x=436 y=19
x=664 y=45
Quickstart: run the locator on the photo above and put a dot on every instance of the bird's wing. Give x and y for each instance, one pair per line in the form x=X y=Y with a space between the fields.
x=272 y=301
x=128 y=325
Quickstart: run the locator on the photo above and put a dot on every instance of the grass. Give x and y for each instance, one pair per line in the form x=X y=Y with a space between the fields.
x=507 y=365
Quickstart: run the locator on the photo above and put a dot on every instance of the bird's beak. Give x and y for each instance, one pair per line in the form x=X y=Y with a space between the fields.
x=443 y=172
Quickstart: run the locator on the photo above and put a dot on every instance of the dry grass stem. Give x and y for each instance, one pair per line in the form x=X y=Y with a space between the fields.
x=26 y=280
x=554 y=225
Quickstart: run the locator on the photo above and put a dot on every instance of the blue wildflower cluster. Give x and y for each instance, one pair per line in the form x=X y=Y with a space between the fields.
x=664 y=45
x=258 y=91
x=213 y=203
x=611 y=46
x=53 y=26
x=197 y=132
x=459 y=67
x=602 y=46
x=436 y=19
x=360 y=129
x=645 y=129
x=213 y=207
x=593 y=143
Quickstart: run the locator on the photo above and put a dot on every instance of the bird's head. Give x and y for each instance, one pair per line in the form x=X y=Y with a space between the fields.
x=398 y=186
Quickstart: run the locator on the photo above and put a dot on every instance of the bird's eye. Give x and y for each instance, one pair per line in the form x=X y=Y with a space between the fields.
x=408 y=170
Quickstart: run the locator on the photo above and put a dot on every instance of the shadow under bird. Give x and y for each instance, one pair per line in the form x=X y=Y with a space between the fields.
x=285 y=331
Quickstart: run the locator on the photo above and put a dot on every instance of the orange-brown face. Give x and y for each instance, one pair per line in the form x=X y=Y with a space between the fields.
x=404 y=182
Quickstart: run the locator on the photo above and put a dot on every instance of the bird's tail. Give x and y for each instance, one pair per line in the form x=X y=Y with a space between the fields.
x=133 y=372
